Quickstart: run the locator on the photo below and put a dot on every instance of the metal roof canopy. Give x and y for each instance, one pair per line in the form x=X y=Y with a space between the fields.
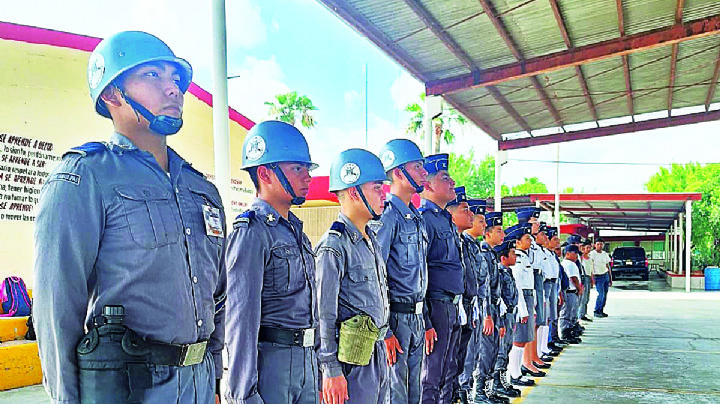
x=532 y=72
x=635 y=212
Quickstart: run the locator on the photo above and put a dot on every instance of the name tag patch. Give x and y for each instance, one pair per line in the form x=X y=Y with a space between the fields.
x=68 y=177
x=213 y=226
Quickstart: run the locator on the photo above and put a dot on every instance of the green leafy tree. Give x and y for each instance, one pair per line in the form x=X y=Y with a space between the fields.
x=694 y=177
x=478 y=179
x=288 y=107
x=442 y=124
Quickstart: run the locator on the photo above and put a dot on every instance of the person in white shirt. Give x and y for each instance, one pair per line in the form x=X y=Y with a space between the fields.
x=601 y=276
x=524 y=330
x=585 y=278
x=568 y=313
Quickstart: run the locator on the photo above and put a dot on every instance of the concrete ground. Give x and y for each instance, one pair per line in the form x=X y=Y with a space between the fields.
x=657 y=346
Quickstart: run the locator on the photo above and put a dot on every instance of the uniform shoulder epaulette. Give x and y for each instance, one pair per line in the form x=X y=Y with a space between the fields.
x=86 y=149
x=192 y=169
x=243 y=219
x=337 y=228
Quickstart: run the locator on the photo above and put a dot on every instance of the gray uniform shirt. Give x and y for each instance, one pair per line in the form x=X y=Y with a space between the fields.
x=403 y=243
x=492 y=303
x=271 y=282
x=113 y=228
x=351 y=280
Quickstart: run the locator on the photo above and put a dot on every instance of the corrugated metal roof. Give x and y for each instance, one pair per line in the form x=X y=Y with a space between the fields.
x=459 y=40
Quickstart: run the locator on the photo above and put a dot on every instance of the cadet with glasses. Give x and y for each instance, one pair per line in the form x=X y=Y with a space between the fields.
x=352 y=286
x=139 y=264
x=271 y=306
x=403 y=243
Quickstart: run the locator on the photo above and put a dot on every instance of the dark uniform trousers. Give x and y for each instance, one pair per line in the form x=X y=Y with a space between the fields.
x=368 y=384
x=409 y=329
x=506 y=343
x=437 y=380
x=146 y=383
x=287 y=374
x=488 y=352
x=466 y=337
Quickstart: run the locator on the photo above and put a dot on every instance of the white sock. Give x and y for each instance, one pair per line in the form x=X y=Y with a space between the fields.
x=514 y=360
x=538 y=340
x=546 y=337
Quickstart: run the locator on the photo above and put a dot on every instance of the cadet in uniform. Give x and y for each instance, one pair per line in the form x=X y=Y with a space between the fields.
x=587 y=264
x=568 y=314
x=271 y=307
x=524 y=328
x=555 y=344
x=550 y=275
x=140 y=260
x=403 y=243
x=472 y=251
x=462 y=218
x=509 y=293
x=352 y=286
x=492 y=328
x=445 y=282
x=530 y=215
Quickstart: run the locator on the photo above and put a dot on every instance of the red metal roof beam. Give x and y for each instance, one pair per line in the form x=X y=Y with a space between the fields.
x=713 y=84
x=578 y=56
x=625 y=61
x=578 y=71
x=611 y=130
x=673 y=61
x=652 y=197
x=505 y=35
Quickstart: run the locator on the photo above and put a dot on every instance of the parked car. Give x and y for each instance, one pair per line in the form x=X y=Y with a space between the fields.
x=630 y=261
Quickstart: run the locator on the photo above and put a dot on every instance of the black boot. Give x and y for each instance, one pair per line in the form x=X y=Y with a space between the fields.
x=503 y=386
x=492 y=395
x=463 y=395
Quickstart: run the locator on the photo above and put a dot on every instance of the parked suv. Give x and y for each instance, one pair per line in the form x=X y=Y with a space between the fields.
x=627 y=261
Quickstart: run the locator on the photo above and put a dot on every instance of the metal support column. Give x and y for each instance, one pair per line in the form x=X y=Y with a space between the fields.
x=688 y=246
x=681 y=250
x=674 y=245
x=500 y=160
x=433 y=109
x=221 y=116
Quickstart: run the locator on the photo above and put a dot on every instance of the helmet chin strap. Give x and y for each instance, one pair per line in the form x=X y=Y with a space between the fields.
x=374 y=215
x=161 y=124
x=418 y=188
x=296 y=200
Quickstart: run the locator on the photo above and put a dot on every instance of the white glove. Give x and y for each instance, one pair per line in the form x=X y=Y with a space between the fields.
x=503 y=308
x=475 y=309
x=462 y=316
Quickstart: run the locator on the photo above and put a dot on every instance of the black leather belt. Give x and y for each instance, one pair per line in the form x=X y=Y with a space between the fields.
x=406 y=308
x=160 y=353
x=443 y=296
x=571 y=291
x=286 y=336
x=551 y=280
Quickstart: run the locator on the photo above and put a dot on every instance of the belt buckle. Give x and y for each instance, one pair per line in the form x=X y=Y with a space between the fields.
x=308 y=337
x=419 y=307
x=456 y=299
x=192 y=354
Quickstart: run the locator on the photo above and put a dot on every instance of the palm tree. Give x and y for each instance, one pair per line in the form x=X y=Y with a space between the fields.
x=441 y=124
x=287 y=106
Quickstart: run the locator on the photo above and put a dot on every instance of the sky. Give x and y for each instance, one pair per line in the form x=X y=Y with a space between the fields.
x=275 y=46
